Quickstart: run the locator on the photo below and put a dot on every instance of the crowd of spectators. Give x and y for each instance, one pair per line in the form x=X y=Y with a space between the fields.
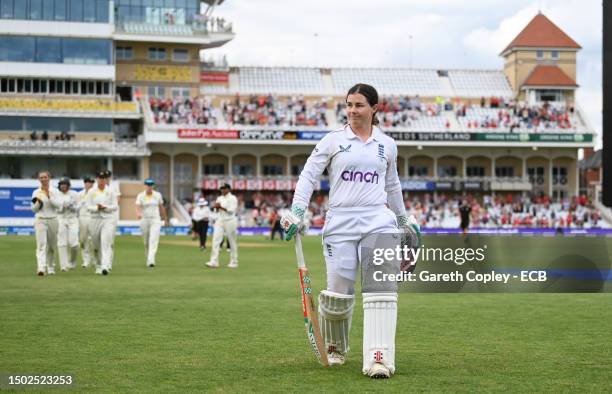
x=506 y=212
x=188 y=111
x=441 y=211
x=399 y=111
x=393 y=111
x=272 y=111
x=512 y=115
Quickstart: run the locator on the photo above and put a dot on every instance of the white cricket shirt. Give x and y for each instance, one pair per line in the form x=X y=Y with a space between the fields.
x=361 y=173
x=149 y=204
x=50 y=204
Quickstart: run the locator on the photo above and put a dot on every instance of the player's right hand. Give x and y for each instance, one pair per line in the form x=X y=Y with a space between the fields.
x=37 y=200
x=290 y=222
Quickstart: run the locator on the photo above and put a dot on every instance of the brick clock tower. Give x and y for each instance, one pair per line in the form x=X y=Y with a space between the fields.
x=540 y=63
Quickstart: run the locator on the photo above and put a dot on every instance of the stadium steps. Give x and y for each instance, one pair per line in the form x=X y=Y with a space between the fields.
x=180 y=213
x=446 y=86
x=328 y=84
x=331 y=118
x=234 y=82
x=452 y=119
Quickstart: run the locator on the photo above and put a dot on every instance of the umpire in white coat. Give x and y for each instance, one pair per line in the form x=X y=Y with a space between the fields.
x=150 y=210
x=102 y=204
x=226 y=224
x=45 y=203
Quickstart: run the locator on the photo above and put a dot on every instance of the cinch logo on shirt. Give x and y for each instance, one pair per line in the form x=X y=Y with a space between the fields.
x=358 y=176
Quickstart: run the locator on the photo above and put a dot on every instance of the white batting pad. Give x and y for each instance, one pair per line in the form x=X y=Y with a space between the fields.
x=335 y=315
x=379 y=321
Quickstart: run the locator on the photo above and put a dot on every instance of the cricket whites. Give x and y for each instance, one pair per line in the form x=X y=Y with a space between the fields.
x=311 y=319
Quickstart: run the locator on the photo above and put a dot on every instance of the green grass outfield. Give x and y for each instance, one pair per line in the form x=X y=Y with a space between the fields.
x=181 y=327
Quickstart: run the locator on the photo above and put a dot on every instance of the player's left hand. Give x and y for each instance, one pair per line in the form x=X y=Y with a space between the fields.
x=411 y=237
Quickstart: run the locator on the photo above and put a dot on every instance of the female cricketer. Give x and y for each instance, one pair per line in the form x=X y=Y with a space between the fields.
x=365 y=198
x=68 y=233
x=102 y=203
x=45 y=204
x=150 y=210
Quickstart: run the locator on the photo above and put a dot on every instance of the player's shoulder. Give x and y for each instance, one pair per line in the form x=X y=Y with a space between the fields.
x=332 y=136
x=383 y=137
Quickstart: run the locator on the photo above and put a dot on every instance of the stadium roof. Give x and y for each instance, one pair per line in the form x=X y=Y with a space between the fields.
x=549 y=75
x=593 y=161
x=541 y=32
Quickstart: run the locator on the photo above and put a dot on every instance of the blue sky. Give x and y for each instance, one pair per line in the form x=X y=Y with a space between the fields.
x=445 y=34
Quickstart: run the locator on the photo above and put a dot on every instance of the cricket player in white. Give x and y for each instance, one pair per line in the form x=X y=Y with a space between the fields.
x=150 y=210
x=114 y=186
x=226 y=224
x=84 y=219
x=45 y=203
x=102 y=204
x=68 y=233
x=365 y=198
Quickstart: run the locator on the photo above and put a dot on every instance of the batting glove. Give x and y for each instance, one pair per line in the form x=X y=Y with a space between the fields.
x=292 y=221
x=37 y=200
x=411 y=237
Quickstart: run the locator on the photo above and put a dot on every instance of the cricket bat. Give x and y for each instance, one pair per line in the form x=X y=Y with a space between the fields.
x=311 y=318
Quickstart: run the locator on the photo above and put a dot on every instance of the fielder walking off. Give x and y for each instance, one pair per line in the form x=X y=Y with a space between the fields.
x=114 y=186
x=226 y=224
x=45 y=203
x=150 y=210
x=102 y=204
x=68 y=233
x=84 y=219
x=365 y=198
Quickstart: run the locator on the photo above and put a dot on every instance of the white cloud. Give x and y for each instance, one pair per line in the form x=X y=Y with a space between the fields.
x=492 y=42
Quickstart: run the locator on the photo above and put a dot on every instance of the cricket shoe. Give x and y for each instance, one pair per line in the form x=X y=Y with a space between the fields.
x=50 y=272
x=210 y=264
x=40 y=273
x=335 y=358
x=64 y=269
x=98 y=271
x=233 y=264
x=379 y=371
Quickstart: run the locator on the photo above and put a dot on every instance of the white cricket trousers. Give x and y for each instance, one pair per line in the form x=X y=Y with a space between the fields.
x=85 y=241
x=101 y=230
x=46 y=244
x=150 y=235
x=343 y=233
x=68 y=242
x=222 y=228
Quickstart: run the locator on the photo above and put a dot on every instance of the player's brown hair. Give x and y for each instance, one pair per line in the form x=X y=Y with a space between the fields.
x=369 y=93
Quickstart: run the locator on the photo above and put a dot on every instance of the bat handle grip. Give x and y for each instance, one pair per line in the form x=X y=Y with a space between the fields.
x=299 y=251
